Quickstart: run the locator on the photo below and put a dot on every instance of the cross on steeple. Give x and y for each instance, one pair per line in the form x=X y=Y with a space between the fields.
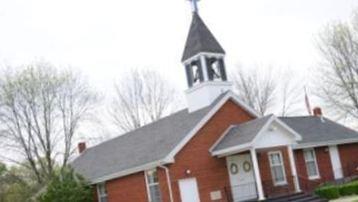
x=194 y=4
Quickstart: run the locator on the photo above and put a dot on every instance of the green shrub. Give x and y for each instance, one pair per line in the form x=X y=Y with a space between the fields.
x=328 y=192
x=349 y=189
x=346 y=190
x=67 y=187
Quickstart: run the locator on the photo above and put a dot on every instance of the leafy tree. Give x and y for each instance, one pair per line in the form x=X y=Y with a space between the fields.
x=17 y=184
x=2 y=169
x=67 y=186
x=41 y=111
x=18 y=192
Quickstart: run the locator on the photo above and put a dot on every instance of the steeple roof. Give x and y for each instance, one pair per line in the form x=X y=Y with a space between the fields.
x=200 y=39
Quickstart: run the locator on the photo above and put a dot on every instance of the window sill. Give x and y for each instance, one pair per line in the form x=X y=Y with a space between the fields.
x=279 y=184
x=314 y=178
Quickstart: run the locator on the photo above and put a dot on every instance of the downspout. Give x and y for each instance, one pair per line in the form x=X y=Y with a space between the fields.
x=168 y=182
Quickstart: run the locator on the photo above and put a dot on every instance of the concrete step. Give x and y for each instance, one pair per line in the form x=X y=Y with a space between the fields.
x=284 y=198
x=297 y=197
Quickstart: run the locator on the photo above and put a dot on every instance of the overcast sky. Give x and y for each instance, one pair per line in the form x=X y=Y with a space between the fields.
x=104 y=38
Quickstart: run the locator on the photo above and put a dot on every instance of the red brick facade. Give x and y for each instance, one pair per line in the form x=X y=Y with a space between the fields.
x=128 y=188
x=324 y=168
x=349 y=164
x=349 y=158
x=264 y=163
x=211 y=172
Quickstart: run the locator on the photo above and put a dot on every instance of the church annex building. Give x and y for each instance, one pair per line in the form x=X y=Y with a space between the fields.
x=218 y=149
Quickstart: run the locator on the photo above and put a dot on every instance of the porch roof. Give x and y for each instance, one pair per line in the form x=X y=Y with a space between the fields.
x=243 y=136
x=310 y=131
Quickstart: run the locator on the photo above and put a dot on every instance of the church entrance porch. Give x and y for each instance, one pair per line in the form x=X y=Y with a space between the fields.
x=262 y=173
x=260 y=158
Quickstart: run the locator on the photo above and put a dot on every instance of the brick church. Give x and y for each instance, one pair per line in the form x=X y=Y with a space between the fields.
x=218 y=148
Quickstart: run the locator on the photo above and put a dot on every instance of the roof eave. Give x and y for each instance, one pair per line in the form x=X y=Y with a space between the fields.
x=232 y=150
x=137 y=169
x=325 y=143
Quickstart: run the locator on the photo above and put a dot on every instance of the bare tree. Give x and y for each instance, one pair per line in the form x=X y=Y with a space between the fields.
x=40 y=111
x=142 y=96
x=266 y=93
x=255 y=90
x=338 y=78
x=290 y=93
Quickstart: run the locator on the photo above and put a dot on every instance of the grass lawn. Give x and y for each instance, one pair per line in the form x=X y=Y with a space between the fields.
x=346 y=199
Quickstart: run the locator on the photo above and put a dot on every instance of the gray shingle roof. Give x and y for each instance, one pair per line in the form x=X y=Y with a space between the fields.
x=155 y=141
x=315 y=129
x=242 y=133
x=147 y=144
x=312 y=129
x=200 y=39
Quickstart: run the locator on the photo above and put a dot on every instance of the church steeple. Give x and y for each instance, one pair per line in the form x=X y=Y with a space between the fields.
x=200 y=39
x=203 y=58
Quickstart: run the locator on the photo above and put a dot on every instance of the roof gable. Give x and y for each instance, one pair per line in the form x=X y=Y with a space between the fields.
x=152 y=145
x=249 y=134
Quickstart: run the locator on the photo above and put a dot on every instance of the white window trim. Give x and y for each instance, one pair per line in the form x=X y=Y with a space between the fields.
x=100 y=196
x=312 y=177
x=284 y=182
x=148 y=184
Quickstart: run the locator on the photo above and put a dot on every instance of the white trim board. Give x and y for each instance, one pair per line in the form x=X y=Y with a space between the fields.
x=122 y=173
x=198 y=55
x=325 y=143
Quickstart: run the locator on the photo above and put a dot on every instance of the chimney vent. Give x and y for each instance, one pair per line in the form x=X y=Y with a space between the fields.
x=81 y=147
x=317 y=111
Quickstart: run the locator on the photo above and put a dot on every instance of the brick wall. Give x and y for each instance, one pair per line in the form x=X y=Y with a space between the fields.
x=94 y=188
x=265 y=171
x=348 y=155
x=131 y=188
x=324 y=168
x=210 y=172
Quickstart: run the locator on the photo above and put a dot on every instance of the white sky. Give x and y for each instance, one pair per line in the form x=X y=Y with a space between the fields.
x=104 y=38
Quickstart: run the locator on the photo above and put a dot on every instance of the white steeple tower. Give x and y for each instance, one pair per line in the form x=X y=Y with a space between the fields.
x=203 y=59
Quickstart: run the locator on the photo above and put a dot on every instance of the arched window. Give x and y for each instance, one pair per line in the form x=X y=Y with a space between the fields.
x=216 y=69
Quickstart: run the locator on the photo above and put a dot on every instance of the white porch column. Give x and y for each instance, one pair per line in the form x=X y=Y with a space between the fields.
x=257 y=174
x=293 y=169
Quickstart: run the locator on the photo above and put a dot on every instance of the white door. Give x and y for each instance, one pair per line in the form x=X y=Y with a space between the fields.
x=336 y=162
x=242 y=180
x=189 y=190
